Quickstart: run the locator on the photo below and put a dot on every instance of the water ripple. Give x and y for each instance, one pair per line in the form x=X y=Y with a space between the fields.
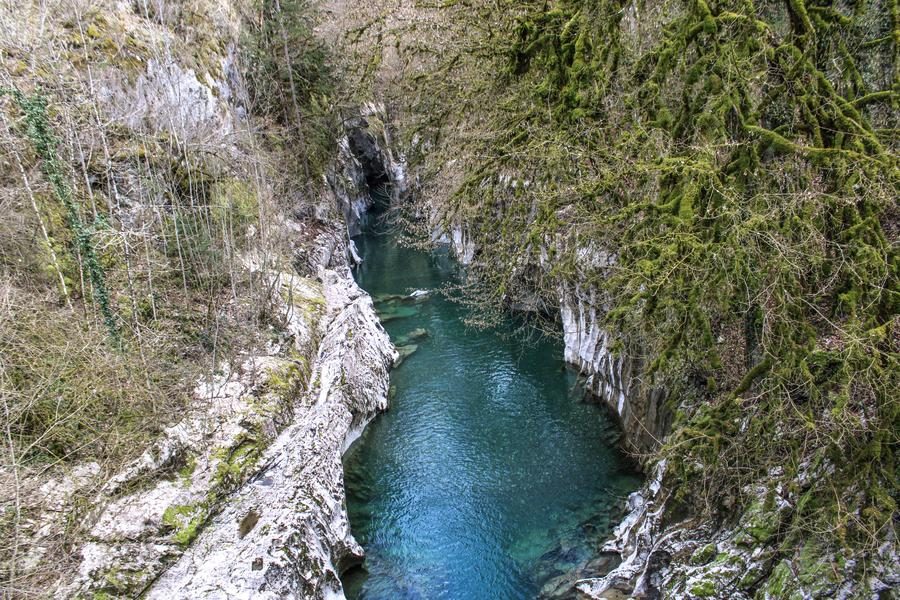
x=481 y=478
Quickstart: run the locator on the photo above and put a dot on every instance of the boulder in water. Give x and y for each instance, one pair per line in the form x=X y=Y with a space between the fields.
x=396 y=312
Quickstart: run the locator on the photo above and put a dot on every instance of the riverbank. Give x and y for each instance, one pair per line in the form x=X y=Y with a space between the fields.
x=185 y=321
x=489 y=477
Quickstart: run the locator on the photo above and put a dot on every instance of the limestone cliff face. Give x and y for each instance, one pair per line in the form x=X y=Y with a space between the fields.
x=259 y=509
x=284 y=534
x=742 y=557
x=641 y=408
x=368 y=167
x=610 y=376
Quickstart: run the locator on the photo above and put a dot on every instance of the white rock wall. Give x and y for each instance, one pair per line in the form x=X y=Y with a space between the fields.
x=285 y=533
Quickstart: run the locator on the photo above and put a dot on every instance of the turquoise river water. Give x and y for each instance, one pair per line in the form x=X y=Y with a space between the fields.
x=489 y=475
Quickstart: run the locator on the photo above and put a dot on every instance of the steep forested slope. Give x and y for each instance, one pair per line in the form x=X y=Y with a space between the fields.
x=719 y=182
x=164 y=214
x=706 y=192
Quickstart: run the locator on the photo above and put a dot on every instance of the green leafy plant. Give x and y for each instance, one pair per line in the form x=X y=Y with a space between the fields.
x=40 y=133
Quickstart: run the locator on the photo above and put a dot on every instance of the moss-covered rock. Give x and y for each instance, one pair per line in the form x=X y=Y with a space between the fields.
x=719 y=198
x=185 y=522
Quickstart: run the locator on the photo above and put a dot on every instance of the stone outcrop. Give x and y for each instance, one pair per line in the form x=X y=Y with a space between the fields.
x=641 y=408
x=739 y=558
x=246 y=493
x=285 y=534
x=244 y=497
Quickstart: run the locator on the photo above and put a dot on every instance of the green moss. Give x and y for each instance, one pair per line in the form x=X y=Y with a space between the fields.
x=704 y=589
x=731 y=162
x=290 y=380
x=186 y=521
x=814 y=568
x=776 y=585
x=234 y=463
x=185 y=472
x=115 y=579
x=93 y=32
x=750 y=578
x=122 y=582
x=703 y=555
x=762 y=524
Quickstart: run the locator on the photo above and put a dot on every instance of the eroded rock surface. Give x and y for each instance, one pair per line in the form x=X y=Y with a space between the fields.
x=285 y=532
x=150 y=511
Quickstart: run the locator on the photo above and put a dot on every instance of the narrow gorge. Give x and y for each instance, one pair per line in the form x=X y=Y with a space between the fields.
x=390 y=299
x=489 y=476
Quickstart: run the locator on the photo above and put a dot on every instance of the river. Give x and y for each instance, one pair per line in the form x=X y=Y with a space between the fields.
x=489 y=475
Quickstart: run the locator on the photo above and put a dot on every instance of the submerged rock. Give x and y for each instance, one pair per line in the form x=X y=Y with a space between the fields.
x=388 y=298
x=404 y=352
x=396 y=312
x=413 y=336
x=413 y=298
